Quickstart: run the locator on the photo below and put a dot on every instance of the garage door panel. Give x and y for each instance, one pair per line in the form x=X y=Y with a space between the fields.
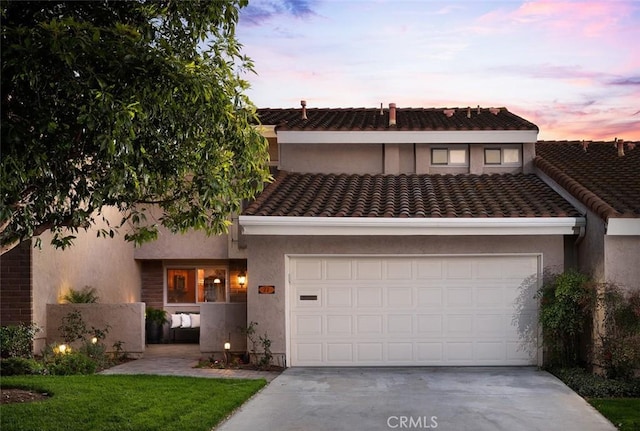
x=310 y=269
x=460 y=297
x=370 y=269
x=429 y=324
x=400 y=297
x=369 y=297
x=369 y=352
x=431 y=352
x=371 y=324
x=413 y=311
x=429 y=297
x=459 y=325
x=400 y=352
x=308 y=325
x=399 y=270
x=338 y=269
x=339 y=325
x=339 y=296
x=340 y=352
x=401 y=324
x=429 y=269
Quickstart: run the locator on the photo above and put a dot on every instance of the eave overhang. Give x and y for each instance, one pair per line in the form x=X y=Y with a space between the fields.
x=405 y=136
x=356 y=226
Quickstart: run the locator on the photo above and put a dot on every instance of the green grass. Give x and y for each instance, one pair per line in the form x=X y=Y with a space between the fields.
x=624 y=413
x=137 y=403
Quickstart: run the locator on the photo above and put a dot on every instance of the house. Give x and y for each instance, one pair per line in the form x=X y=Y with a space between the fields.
x=390 y=236
x=403 y=237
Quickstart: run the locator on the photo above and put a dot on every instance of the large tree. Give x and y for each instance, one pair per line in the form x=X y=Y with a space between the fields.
x=129 y=104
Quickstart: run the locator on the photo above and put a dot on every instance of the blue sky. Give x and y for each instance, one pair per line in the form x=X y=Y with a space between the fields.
x=573 y=68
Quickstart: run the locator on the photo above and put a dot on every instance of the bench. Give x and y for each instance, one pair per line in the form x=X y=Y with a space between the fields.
x=186 y=324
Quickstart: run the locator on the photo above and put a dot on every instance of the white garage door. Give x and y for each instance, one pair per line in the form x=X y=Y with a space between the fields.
x=413 y=310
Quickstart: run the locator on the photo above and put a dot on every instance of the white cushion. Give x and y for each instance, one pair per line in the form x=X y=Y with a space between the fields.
x=195 y=320
x=176 y=321
x=186 y=321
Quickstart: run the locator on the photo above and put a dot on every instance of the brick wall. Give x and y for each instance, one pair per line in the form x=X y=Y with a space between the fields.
x=16 y=300
x=152 y=283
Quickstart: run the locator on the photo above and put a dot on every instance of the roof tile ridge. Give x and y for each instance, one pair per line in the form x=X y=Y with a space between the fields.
x=576 y=189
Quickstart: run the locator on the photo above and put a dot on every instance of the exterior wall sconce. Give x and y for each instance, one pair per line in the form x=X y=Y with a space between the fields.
x=242 y=279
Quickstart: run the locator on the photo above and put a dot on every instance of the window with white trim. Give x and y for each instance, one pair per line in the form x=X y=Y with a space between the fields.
x=191 y=285
x=449 y=157
x=502 y=156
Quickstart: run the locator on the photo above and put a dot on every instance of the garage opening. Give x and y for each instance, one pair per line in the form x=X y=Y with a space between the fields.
x=472 y=310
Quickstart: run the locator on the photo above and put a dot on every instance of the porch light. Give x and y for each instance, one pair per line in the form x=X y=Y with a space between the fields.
x=242 y=279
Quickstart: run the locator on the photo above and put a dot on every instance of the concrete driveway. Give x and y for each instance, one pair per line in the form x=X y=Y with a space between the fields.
x=456 y=399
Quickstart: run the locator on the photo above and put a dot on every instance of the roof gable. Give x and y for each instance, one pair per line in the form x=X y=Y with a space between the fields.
x=604 y=177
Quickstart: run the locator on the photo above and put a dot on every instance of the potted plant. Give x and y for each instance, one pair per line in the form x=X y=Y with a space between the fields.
x=155 y=318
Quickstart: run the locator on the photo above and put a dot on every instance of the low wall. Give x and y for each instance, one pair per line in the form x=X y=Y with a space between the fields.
x=217 y=322
x=125 y=322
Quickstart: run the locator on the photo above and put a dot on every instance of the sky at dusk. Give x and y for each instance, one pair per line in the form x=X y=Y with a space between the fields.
x=572 y=68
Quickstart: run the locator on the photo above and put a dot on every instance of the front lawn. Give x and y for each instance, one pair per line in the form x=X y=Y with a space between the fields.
x=624 y=413
x=136 y=403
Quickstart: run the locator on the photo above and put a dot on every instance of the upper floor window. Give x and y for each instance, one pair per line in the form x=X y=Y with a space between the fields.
x=502 y=156
x=193 y=285
x=449 y=156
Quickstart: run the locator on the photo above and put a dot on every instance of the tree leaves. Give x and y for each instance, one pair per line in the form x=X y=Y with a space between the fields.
x=117 y=104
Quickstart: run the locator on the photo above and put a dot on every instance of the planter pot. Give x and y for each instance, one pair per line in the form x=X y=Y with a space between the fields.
x=154 y=332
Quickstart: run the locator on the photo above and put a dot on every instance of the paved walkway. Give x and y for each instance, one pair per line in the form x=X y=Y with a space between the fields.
x=180 y=360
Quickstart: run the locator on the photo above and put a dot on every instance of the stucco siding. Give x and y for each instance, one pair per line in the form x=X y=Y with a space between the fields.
x=106 y=264
x=266 y=263
x=188 y=245
x=622 y=261
x=332 y=158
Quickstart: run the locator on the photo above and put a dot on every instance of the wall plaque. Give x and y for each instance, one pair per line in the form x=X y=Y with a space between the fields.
x=266 y=290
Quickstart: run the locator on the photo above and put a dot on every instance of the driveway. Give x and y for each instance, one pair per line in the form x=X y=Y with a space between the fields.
x=456 y=399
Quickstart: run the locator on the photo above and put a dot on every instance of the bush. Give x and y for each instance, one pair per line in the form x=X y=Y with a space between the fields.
x=593 y=386
x=619 y=349
x=566 y=303
x=17 y=340
x=70 y=363
x=19 y=366
x=87 y=295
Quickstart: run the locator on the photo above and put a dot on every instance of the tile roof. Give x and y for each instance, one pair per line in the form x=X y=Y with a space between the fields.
x=425 y=119
x=411 y=195
x=605 y=182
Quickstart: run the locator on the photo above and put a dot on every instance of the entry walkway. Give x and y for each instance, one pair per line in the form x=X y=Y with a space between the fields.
x=180 y=360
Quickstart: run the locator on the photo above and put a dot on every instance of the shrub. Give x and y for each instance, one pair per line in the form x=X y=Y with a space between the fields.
x=619 y=349
x=593 y=386
x=74 y=328
x=17 y=340
x=19 y=366
x=70 y=363
x=87 y=295
x=566 y=302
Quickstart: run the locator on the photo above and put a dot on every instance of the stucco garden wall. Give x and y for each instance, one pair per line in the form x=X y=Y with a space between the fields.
x=125 y=322
x=106 y=264
x=266 y=263
x=218 y=322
